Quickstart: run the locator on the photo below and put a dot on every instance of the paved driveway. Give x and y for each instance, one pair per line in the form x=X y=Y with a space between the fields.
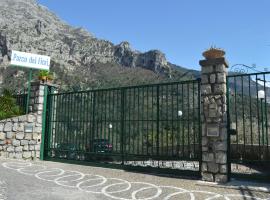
x=48 y=180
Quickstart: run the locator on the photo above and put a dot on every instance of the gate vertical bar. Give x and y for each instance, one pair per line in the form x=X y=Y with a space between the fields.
x=200 y=126
x=93 y=122
x=122 y=124
x=228 y=128
x=157 y=120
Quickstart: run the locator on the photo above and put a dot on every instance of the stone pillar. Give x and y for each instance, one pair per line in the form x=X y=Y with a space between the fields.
x=36 y=98
x=214 y=119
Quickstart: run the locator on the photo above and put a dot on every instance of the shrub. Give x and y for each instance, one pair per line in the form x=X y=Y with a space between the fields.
x=8 y=106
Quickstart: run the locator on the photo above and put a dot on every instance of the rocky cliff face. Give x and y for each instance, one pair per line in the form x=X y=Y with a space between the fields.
x=78 y=58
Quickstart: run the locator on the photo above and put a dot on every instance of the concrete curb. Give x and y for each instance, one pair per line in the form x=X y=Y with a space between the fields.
x=239 y=185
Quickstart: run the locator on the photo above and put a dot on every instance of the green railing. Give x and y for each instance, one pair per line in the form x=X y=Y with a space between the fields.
x=138 y=125
x=249 y=115
x=21 y=100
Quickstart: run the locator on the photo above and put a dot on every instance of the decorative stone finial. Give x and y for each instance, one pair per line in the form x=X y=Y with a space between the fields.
x=213 y=53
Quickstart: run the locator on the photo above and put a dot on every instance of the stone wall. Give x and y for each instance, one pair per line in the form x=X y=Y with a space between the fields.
x=16 y=141
x=20 y=137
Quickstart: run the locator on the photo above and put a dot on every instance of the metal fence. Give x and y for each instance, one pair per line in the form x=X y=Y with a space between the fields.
x=151 y=125
x=249 y=115
x=21 y=100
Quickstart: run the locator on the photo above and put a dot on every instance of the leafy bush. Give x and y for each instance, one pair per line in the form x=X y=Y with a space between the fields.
x=43 y=73
x=8 y=106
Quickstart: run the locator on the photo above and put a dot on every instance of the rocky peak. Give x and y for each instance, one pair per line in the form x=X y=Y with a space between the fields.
x=27 y=26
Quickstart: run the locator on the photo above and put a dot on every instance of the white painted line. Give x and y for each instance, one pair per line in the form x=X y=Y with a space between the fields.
x=115 y=188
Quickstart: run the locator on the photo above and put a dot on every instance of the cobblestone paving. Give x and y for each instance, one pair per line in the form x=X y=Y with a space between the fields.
x=65 y=181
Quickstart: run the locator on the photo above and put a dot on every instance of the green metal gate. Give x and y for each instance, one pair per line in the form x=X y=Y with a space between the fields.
x=153 y=126
x=249 y=120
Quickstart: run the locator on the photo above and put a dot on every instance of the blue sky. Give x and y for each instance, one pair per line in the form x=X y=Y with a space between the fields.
x=182 y=29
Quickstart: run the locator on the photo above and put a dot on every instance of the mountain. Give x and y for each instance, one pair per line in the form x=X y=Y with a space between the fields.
x=78 y=59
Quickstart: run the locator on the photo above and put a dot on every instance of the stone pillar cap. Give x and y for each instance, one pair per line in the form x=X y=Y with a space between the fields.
x=214 y=61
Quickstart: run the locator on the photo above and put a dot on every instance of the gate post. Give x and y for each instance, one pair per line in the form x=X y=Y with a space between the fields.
x=37 y=105
x=214 y=119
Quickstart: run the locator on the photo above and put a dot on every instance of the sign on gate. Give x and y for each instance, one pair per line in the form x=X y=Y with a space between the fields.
x=30 y=60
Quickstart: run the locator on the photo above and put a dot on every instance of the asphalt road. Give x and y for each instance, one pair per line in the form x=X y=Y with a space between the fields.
x=23 y=180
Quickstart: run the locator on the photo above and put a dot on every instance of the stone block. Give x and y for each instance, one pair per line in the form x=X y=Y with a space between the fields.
x=204 y=79
x=33 y=154
x=213 y=113
x=39 y=112
x=221 y=178
x=205 y=148
x=22 y=118
x=15 y=119
x=220 y=88
x=30 y=108
x=16 y=143
x=27 y=154
x=10 y=149
x=223 y=169
x=207 y=177
x=38 y=107
x=221 y=146
x=31 y=118
x=15 y=127
x=221 y=157
x=223 y=133
x=40 y=93
x=10 y=135
x=25 y=147
x=213 y=167
x=31 y=147
x=204 y=167
x=207 y=69
x=37 y=154
x=38 y=129
x=36 y=136
x=37 y=147
x=18 y=149
x=1 y=127
x=11 y=155
x=2 y=136
x=221 y=77
x=39 y=119
x=41 y=88
x=207 y=157
x=24 y=142
x=8 y=127
x=28 y=136
x=204 y=141
x=221 y=68
x=41 y=99
x=32 y=142
x=20 y=127
x=18 y=155
x=19 y=136
x=206 y=89
x=212 y=78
